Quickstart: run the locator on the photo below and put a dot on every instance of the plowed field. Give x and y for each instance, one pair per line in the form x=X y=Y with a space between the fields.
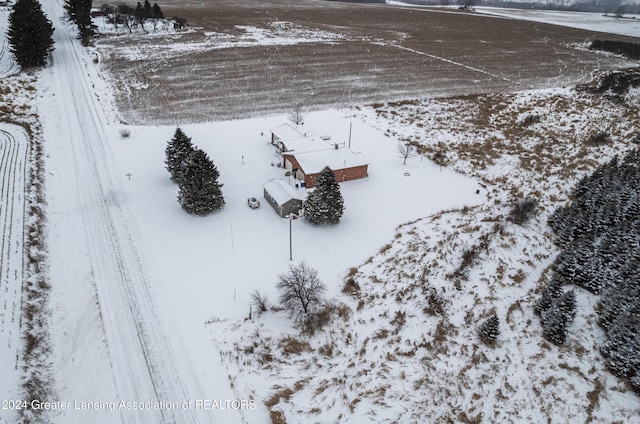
x=256 y=58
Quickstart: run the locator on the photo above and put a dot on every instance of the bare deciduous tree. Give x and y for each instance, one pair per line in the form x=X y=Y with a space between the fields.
x=301 y=292
x=406 y=151
x=296 y=115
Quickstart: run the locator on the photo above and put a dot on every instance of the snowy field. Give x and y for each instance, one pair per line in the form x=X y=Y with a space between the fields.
x=7 y=65
x=14 y=144
x=318 y=54
x=607 y=24
x=149 y=303
x=210 y=265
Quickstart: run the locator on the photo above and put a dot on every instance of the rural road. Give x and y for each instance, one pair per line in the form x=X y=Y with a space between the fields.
x=147 y=363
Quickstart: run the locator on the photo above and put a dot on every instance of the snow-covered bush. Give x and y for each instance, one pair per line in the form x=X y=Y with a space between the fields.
x=490 y=330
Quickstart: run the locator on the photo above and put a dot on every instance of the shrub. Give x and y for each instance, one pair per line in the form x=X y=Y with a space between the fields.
x=259 y=301
x=598 y=138
x=528 y=120
x=523 y=210
x=293 y=346
x=351 y=286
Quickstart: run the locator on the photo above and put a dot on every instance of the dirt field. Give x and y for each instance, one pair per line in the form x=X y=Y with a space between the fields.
x=263 y=57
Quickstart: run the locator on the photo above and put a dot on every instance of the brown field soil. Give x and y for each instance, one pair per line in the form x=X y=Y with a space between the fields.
x=333 y=55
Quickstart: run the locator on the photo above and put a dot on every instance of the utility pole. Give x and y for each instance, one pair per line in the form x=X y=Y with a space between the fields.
x=290 y=240
x=291 y=218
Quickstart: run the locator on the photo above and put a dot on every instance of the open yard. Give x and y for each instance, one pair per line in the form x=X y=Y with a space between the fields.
x=254 y=58
x=148 y=303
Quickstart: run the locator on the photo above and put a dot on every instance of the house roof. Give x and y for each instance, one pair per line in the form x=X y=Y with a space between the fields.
x=343 y=158
x=286 y=132
x=295 y=141
x=282 y=192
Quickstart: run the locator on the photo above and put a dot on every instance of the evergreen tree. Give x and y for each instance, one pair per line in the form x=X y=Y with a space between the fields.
x=324 y=205
x=139 y=13
x=79 y=11
x=30 y=34
x=558 y=317
x=490 y=330
x=622 y=348
x=147 y=11
x=600 y=231
x=199 y=190
x=177 y=150
x=550 y=293
x=156 y=12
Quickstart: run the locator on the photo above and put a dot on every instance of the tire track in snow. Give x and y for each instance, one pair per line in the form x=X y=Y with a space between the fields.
x=8 y=66
x=471 y=68
x=14 y=147
x=145 y=365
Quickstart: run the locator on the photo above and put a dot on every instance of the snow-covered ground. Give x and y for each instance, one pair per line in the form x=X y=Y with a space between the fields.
x=7 y=65
x=119 y=241
x=409 y=332
x=148 y=302
x=627 y=25
x=14 y=145
x=97 y=252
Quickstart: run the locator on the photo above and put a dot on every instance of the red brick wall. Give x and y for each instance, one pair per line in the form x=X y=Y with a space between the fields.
x=291 y=159
x=341 y=175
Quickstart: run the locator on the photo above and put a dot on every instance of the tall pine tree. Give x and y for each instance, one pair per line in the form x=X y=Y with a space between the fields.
x=79 y=11
x=557 y=318
x=199 y=192
x=177 y=151
x=324 y=205
x=157 y=12
x=30 y=34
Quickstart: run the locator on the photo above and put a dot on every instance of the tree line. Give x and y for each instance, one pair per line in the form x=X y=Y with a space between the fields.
x=599 y=233
x=79 y=12
x=132 y=16
x=624 y=48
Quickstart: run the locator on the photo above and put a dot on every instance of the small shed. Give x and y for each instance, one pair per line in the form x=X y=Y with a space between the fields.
x=284 y=199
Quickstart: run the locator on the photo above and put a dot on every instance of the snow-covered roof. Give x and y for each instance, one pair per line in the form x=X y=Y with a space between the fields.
x=286 y=132
x=342 y=158
x=296 y=141
x=282 y=192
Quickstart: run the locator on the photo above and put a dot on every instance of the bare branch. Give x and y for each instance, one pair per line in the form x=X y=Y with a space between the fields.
x=406 y=151
x=301 y=292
